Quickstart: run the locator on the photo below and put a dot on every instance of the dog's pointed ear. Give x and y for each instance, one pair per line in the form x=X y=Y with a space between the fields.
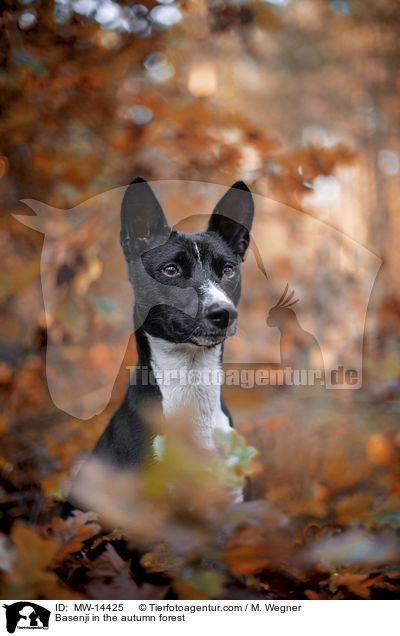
x=233 y=216
x=143 y=224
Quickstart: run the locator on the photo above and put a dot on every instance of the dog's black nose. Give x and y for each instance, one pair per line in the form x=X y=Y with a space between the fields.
x=221 y=316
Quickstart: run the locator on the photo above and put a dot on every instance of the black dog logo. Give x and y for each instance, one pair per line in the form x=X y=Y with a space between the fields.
x=26 y=615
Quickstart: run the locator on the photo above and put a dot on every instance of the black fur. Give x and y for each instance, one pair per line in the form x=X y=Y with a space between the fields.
x=174 y=308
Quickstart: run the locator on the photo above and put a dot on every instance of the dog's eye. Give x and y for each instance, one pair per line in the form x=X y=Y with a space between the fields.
x=170 y=270
x=228 y=271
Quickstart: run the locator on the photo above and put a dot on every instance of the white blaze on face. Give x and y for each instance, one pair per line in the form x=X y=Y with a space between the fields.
x=196 y=249
x=213 y=294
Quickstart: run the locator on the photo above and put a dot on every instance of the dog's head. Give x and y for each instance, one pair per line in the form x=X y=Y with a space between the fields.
x=187 y=285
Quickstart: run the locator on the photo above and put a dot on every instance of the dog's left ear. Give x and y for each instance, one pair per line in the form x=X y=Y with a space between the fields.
x=232 y=217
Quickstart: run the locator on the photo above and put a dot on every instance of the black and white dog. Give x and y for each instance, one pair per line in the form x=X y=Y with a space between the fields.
x=187 y=287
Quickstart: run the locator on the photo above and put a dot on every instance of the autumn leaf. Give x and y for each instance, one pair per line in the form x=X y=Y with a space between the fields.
x=72 y=533
x=32 y=576
x=160 y=559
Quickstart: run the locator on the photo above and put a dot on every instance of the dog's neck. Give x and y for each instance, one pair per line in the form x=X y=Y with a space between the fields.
x=189 y=377
x=171 y=355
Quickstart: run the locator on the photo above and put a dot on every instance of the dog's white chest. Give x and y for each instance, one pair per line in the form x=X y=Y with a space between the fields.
x=188 y=379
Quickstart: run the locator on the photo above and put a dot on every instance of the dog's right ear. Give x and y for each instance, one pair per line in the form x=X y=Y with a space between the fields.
x=232 y=217
x=143 y=224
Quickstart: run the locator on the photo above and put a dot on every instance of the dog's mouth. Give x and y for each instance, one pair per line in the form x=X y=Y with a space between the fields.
x=212 y=338
x=208 y=340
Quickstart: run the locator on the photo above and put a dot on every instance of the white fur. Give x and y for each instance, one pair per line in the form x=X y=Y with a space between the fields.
x=213 y=294
x=158 y=446
x=202 y=399
x=196 y=249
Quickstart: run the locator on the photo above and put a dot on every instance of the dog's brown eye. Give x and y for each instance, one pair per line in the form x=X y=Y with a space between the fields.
x=170 y=270
x=228 y=271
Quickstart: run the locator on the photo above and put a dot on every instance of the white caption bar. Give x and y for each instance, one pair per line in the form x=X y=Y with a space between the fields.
x=99 y=618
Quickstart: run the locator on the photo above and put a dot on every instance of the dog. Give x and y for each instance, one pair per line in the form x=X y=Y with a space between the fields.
x=187 y=287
